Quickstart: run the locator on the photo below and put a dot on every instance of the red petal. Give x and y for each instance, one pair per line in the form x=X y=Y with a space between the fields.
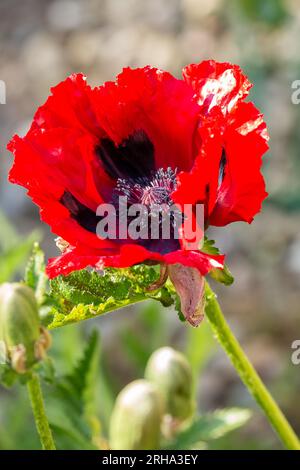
x=81 y=257
x=128 y=255
x=156 y=102
x=234 y=127
x=200 y=184
x=71 y=105
x=217 y=84
x=49 y=163
x=197 y=259
x=243 y=189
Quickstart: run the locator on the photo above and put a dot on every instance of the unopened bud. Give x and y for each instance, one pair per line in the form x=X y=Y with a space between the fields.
x=136 y=418
x=20 y=326
x=170 y=372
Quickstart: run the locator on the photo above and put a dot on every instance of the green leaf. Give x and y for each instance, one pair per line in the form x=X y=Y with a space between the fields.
x=80 y=382
x=84 y=375
x=209 y=247
x=76 y=392
x=35 y=276
x=220 y=275
x=37 y=279
x=211 y=426
x=86 y=294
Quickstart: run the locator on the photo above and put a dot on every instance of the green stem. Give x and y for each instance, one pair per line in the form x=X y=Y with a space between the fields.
x=39 y=413
x=247 y=372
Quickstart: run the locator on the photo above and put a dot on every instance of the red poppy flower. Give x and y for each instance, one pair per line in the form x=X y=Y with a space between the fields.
x=149 y=136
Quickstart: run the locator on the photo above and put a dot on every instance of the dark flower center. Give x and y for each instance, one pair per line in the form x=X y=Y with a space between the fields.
x=147 y=190
x=153 y=192
x=131 y=164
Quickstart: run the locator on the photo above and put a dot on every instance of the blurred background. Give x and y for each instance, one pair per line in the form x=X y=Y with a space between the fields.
x=41 y=42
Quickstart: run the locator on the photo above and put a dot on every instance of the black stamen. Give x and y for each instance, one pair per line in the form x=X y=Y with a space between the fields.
x=154 y=193
x=155 y=188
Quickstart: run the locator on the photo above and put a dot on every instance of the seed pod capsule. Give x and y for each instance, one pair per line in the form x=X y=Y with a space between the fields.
x=136 y=418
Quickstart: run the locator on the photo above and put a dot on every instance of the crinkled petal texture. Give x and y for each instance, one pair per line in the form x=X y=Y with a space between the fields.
x=128 y=255
x=83 y=140
x=226 y=173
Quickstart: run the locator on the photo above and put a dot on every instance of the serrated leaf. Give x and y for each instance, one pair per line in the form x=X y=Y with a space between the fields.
x=86 y=294
x=76 y=395
x=209 y=247
x=211 y=426
x=78 y=385
x=35 y=275
x=84 y=375
x=220 y=275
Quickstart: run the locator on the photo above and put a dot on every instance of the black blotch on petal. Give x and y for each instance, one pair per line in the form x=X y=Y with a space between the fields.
x=133 y=158
x=83 y=215
x=222 y=167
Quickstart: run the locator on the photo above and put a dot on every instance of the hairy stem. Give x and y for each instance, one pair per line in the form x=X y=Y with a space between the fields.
x=247 y=372
x=39 y=413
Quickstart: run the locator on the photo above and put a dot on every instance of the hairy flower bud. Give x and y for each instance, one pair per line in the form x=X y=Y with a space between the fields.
x=20 y=326
x=136 y=418
x=170 y=372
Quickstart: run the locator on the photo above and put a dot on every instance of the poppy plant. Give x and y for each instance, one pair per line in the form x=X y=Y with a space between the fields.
x=150 y=137
x=157 y=141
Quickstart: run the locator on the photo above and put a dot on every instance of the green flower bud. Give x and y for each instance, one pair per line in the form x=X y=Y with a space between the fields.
x=20 y=326
x=136 y=418
x=170 y=372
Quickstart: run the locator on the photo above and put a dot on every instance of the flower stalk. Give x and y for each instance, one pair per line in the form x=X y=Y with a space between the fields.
x=247 y=372
x=39 y=413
